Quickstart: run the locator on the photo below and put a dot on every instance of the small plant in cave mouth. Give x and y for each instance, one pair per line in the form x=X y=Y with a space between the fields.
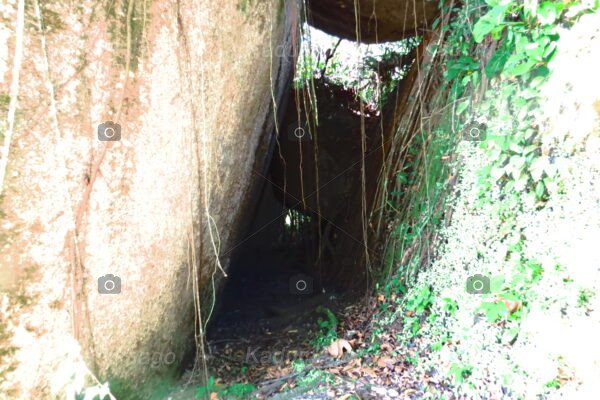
x=328 y=328
x=212 y=390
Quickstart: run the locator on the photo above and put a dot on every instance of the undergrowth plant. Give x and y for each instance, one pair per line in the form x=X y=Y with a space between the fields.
x=327 y=328
x=496 y=55
x=523 y=37
x=235 y=391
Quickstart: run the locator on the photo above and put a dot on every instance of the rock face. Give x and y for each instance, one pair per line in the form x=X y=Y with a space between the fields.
x=378 y=20
x=195 y=104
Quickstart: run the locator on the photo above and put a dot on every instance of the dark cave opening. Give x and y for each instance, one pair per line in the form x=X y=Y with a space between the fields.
x=309 y=239
x=267 y=311
x=270 y=274
x=303 y=250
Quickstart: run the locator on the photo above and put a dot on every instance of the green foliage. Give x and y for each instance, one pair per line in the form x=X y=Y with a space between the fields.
x=529 y=41
x=421 y=301
x=239 y=391
x=417 y=304
x=440 y=344
x=206 y=390
x=373 y=71
x=554 y=384
x=394 y=286
x=493 y=310
x=450 y=305
x=314 y=377
x=328 y=328
x=525 y=273
x=526 y=34
x=298 y=365
x=415 y=202
x=460 y=372
x=496 y=55
x=235 y=391
x=491 y=22
x=584 y=297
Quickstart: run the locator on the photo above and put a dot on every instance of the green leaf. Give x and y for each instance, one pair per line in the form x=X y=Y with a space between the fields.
x=521 y=69
x=540 y=189
x=550 y=51
x=496 y=283
x=549 y=11
x=514 y=147
x=465 y=80
x=462 y=106
x=537 y=168
x=535 y=270
x=206 y=390
x=496 y=63
x=497 y=32
x=529 y=149
x=475 y=78
x=497 y=173
x=521 y=182
x=494 y=311
x=494 y=3
x=488 y=22
x=517 y=162
x=463 y=64
x=535 y=51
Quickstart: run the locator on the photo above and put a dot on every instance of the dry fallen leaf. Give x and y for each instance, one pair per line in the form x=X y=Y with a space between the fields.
x=386 y=346
x=369 y=371
x=354 y=373
x=511 y=305
x=383 y=362
x=337 y=347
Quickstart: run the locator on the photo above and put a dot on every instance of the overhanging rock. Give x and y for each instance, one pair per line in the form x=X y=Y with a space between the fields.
x=378 y=20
